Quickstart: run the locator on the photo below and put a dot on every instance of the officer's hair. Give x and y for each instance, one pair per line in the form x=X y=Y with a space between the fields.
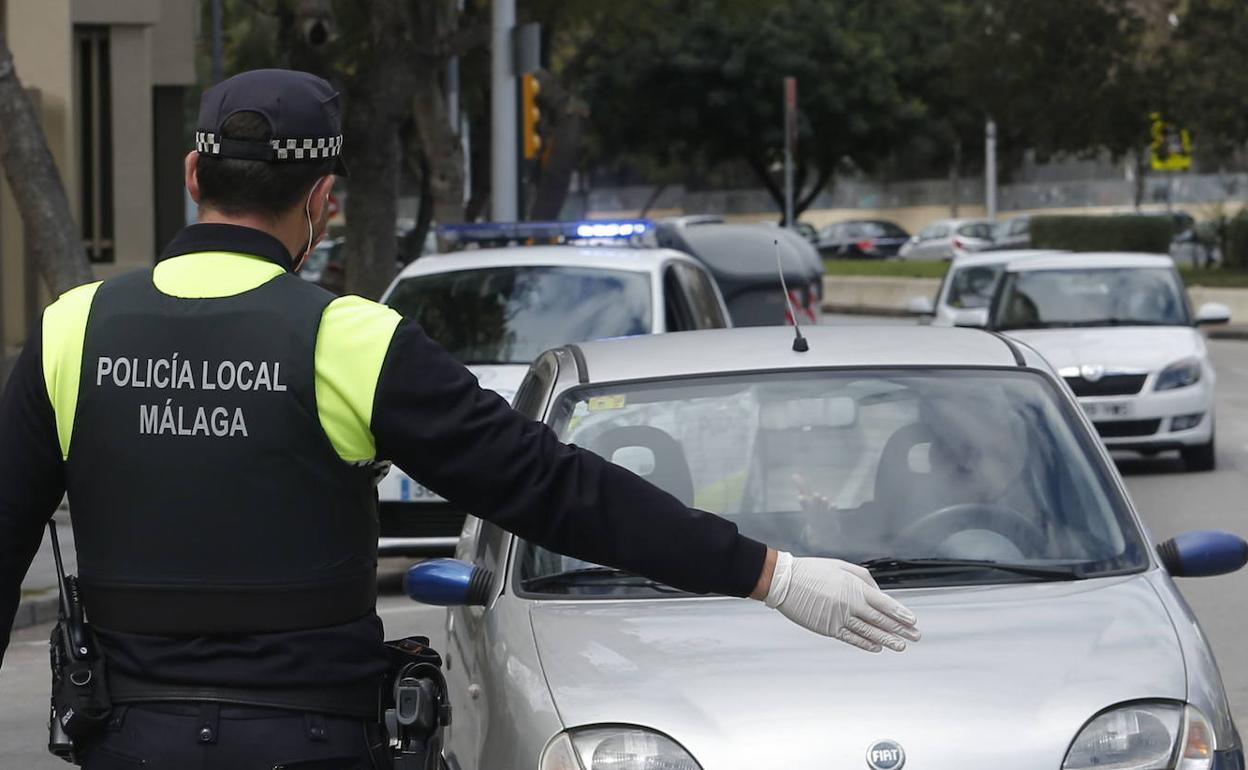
x=237 y=187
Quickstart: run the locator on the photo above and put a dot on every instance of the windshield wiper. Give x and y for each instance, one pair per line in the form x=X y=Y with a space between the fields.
x=890 y=567
x=598 y=576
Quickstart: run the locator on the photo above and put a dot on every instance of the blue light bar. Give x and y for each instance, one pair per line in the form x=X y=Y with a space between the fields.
x=586 y=230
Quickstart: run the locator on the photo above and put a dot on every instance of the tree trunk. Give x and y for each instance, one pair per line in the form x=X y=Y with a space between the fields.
x=378 y=99
x=424 y=214
x=51 y=234
x=374 y=151
x=479 y=168
x=438 y=22
x=443 y=153
x=559 y=162
x=653 y=199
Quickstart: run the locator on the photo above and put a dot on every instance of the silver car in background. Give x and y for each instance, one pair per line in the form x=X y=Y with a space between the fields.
x=946 y=238
x=953 y=463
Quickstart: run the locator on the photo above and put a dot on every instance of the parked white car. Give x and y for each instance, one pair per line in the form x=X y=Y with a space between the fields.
x=966 y=291
x=945 y=238
x=1120 y=331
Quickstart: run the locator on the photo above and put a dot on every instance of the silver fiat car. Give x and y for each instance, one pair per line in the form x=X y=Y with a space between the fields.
x=950 y=462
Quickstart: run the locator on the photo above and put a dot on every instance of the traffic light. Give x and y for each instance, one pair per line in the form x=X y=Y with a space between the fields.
x=530 y=116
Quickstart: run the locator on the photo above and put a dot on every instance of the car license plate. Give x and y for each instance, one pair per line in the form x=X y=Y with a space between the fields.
x=1100 y=410
x=410 y=491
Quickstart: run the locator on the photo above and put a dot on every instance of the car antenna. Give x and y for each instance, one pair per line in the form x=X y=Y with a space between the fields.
x=799 y=342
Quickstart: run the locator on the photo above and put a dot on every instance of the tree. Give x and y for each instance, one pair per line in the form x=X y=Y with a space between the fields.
x=1208 y=83
x=1061 y=76
x=698 y=83
x=49 y=229
x=386 y=58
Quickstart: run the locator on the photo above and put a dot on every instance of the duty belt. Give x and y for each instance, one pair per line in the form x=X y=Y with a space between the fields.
x=357 y=700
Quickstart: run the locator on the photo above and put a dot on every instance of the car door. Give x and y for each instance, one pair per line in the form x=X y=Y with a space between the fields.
x=705 y=305
x=469 y=668
x=931 y=241
x=678 y=312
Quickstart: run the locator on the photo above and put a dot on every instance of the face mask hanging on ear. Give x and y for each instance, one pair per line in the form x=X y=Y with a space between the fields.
x=307 y=215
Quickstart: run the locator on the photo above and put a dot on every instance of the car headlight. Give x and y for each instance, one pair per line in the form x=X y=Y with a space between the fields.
x=1144 y=736
x=618 y=747
x=1179 y=375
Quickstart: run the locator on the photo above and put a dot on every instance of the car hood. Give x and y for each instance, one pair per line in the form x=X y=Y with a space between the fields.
x=1127 y=347
x=503 y=379
x=1005 y=676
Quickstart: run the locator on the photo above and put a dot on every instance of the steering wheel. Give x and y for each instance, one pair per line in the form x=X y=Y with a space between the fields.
x=943 y=523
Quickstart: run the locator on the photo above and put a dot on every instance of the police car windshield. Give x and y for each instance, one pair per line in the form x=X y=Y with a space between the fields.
x=972 y=287
x=967 y=466
x=509 y=315
x=1044 y=299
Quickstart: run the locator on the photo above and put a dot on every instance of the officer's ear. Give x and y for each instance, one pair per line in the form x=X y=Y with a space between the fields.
x=191 y=164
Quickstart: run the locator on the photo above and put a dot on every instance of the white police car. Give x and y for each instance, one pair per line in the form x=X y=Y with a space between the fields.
x=495 y=309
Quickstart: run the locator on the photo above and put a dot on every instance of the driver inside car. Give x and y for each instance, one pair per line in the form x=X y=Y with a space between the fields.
x=948 y=485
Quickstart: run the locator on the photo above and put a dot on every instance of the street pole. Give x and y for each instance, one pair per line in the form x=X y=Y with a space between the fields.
x=790 y=139
x=990 y=168
x=504 y=178
x=216 y=41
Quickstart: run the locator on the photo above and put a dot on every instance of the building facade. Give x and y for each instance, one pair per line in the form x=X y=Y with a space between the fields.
x=109 y=79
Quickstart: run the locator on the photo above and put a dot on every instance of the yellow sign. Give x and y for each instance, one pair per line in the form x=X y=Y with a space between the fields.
x=1171 y=148
x=601 y=403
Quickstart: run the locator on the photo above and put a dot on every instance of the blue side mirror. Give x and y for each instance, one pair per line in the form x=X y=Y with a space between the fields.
x=448 y=583
x=1203 y=553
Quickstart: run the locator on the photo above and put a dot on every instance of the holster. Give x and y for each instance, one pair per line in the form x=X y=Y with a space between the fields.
x=80 y=699
x=417 y=705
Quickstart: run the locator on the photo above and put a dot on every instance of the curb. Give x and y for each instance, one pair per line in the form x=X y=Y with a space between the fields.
x=891 y=312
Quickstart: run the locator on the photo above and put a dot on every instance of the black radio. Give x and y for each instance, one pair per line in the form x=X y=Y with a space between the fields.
x=80 y=703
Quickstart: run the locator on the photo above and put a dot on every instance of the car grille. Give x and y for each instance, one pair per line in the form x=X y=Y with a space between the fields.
x=404 y=519
x=1109 y=385
x=1125 y=428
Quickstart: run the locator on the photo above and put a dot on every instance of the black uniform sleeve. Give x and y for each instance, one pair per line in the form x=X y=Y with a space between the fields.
x=432 y=419
x=32 y=476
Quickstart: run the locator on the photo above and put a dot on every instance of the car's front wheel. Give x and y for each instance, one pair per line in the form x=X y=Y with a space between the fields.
x=1200 y=457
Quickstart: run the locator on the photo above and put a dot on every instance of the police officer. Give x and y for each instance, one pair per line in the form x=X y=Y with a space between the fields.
x=214 y=421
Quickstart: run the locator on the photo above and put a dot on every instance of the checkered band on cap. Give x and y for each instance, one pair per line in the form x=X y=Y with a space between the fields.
x=207 y=143
x=307 y=149
x=283 y=149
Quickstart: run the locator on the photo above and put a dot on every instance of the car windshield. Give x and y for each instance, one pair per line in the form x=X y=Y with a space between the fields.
x=972 y=287
x=1042 y=299
x=881 y=230
x=984 y=230
x=509 y=315
x=976 y=464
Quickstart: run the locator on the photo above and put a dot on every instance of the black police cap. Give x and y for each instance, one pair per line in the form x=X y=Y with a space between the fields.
x=305 y=122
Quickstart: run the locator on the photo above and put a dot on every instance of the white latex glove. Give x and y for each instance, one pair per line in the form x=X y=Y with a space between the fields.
x=841 y=600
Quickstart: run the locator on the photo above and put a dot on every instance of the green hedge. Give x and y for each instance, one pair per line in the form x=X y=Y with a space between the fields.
x=1127 y=232
x=1237 y=241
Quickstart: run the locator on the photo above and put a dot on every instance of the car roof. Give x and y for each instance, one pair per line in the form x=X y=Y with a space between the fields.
x=975 y=258
x=733 y=250
x=1092 y=261
x=956 y=222
x=768 y=348
x=639 y=260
